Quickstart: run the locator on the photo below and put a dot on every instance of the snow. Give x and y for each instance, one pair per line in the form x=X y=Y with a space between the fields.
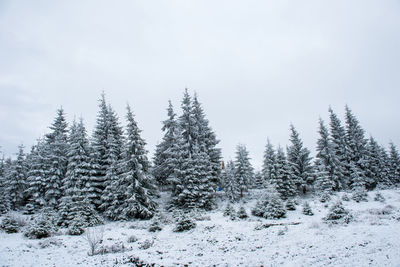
x=372 y=238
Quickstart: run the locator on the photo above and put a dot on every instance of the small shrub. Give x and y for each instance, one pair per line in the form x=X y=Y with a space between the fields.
x=117 y=247
x=379 y=197
x=12 y=223
x=338 y=213
x=146 y=244
x=50 y=242
x=76 y=228
x=345 y=197
x=40 y=228
x=290 y=205
x=307 y=209
x=325 y=197
x=184 y=223
x=132 y=239
x=359 y=194
x=270 y=208
x=155 y=226
x=242 y=214
x=229 y=210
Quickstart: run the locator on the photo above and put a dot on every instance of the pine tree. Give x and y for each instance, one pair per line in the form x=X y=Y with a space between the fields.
x=137 y=187
x=74 y=202
x=376 y=168
x=16 y=180
x=36 y=181
x=299 y=161
x=163 y=166
x=207 y=140
x=56 y=148
x=259 y=181
x=4 y=201
x=269 y=162
x=195 y=155
x=328 y=165
x=338 y=140
x=230 y=185
x=244 y=171
x=113 y=156
x=357 y=147
x=394 y=165
x=281 y=179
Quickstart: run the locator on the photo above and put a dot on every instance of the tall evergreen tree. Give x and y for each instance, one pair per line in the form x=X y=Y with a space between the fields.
x=244 y=171
x=299 y=161
x=281 y=178
x=376 y=167
x=230 y=185
x=207 y=140
x=328 y=158
x=394 y=164
x=357 y=146
x=56 y=150
x=16 y=180
x=338 y=139
x=163 y=166
x=136 y=188
x=74 y=202
x=36 y=182
x=269 y=162
x=114 y=154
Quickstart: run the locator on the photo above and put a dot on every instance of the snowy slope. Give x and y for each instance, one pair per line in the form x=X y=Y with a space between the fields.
x=372 y=238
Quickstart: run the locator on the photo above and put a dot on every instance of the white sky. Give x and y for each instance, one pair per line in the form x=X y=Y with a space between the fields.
x=257 y=66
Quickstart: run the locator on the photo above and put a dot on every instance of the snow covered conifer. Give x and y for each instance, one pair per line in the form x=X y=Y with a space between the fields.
x=394 y=165
x=56 y=159
x=299 y=161
x=281 y=178
x=268 y=162
x=163 y=166
x=230 y=184
x=16 y=180
x=338 y=140
x=243 y=169
x=136 y=186
x=328 y=163
x=357 y=147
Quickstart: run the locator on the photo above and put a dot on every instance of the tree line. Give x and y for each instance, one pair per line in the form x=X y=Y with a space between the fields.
x=110 y=175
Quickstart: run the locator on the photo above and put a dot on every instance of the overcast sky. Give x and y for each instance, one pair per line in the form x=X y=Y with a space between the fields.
x=257 y=66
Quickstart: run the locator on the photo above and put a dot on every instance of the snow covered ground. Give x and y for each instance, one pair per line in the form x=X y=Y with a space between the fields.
x=373 y=238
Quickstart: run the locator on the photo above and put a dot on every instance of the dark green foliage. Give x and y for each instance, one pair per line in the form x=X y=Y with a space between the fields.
x=41 y=227
x=338 y=213
x=379 y=197
x=290 y=205
x=10 y=224
x=155 y=226
x=271 y=207
x=184 y=223
x=359 y=194
x=242 y=214
x=307 y=209
x=229 y=210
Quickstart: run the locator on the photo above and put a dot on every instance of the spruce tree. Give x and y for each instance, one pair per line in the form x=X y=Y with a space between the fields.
x=299 y=161
x=281 y=179
x=136 y=187
x=36 y=181
x=376 y=167
x=113 y=156
x=328 y=165
x=56 y=149
x=17 y=180
x=357 y=147
x=230 y=185
x=243 y=170
x=163 y=166
x=74 y=202
x=338 y=140
x=394 y=165
x=269 y=162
